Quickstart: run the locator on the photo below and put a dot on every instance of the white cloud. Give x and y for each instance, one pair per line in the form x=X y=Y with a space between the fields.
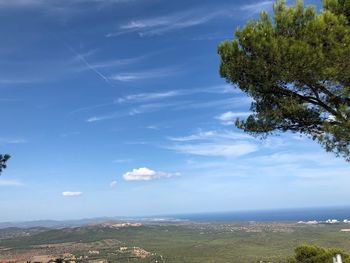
x=113 y=184
x=72 y=193
x=145 y=174
x=229 y=117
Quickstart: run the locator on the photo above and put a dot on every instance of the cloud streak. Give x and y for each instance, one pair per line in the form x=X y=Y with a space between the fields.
x=214 y=144
x=257 y=7
x=217 y=149
x=4 y=182
x=141 y=97
x=176 y=21
x=88 y=65
x=205 y=135
x=142 y=75
x=4 y=141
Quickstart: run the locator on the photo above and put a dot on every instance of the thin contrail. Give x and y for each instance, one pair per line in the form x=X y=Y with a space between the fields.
x=82 y=59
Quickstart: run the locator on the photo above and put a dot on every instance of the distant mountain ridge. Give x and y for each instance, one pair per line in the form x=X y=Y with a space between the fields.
x=51 y=223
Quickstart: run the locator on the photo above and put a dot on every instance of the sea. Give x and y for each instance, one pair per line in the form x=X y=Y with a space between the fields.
x=295 y=214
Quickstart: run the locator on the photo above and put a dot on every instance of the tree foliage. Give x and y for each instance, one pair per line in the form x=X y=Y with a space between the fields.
x=296 y=67
x=315 y=254
x=3 y=160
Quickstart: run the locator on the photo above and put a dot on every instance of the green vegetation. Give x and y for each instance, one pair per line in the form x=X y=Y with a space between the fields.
x=192 y=242
x=3 y=160
x=296 y=67
x=316 y=254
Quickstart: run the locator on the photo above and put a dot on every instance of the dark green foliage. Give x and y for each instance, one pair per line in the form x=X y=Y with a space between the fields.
x=316 y=254
x=3 y=159
x=296 y=67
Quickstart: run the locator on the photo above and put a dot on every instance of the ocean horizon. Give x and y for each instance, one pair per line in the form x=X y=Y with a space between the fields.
x=291 y=214
x=266 y=215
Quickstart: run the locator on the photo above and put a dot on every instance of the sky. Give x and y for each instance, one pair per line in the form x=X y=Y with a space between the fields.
x=116 y=108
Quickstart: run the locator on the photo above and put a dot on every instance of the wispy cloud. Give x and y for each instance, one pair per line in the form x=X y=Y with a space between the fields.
x=177 y=105
x=104 y=117
x=4 y=141
x=113 y=184
x=18 y=81
x=4 y=182
x=88 y=65
x=85 y=55
x=146 y=174
x=68 y=193
x=119 y=62
x=122 y=161
x=112 y=63
x=232 y=102
x=141 y=97
x=144 y=108
x=163 y=24
x=290 y=157
x=54 y=3
x=214 y=143
x=257 y=7
x=217 y=149
x=150 y=96
x=205 y=135
x=116 y=62
x=142 y=75
x=88 y=108
x=152 y=107
x=229 y=117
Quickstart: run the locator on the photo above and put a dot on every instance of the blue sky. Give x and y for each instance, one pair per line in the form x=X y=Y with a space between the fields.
x=116 y=108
